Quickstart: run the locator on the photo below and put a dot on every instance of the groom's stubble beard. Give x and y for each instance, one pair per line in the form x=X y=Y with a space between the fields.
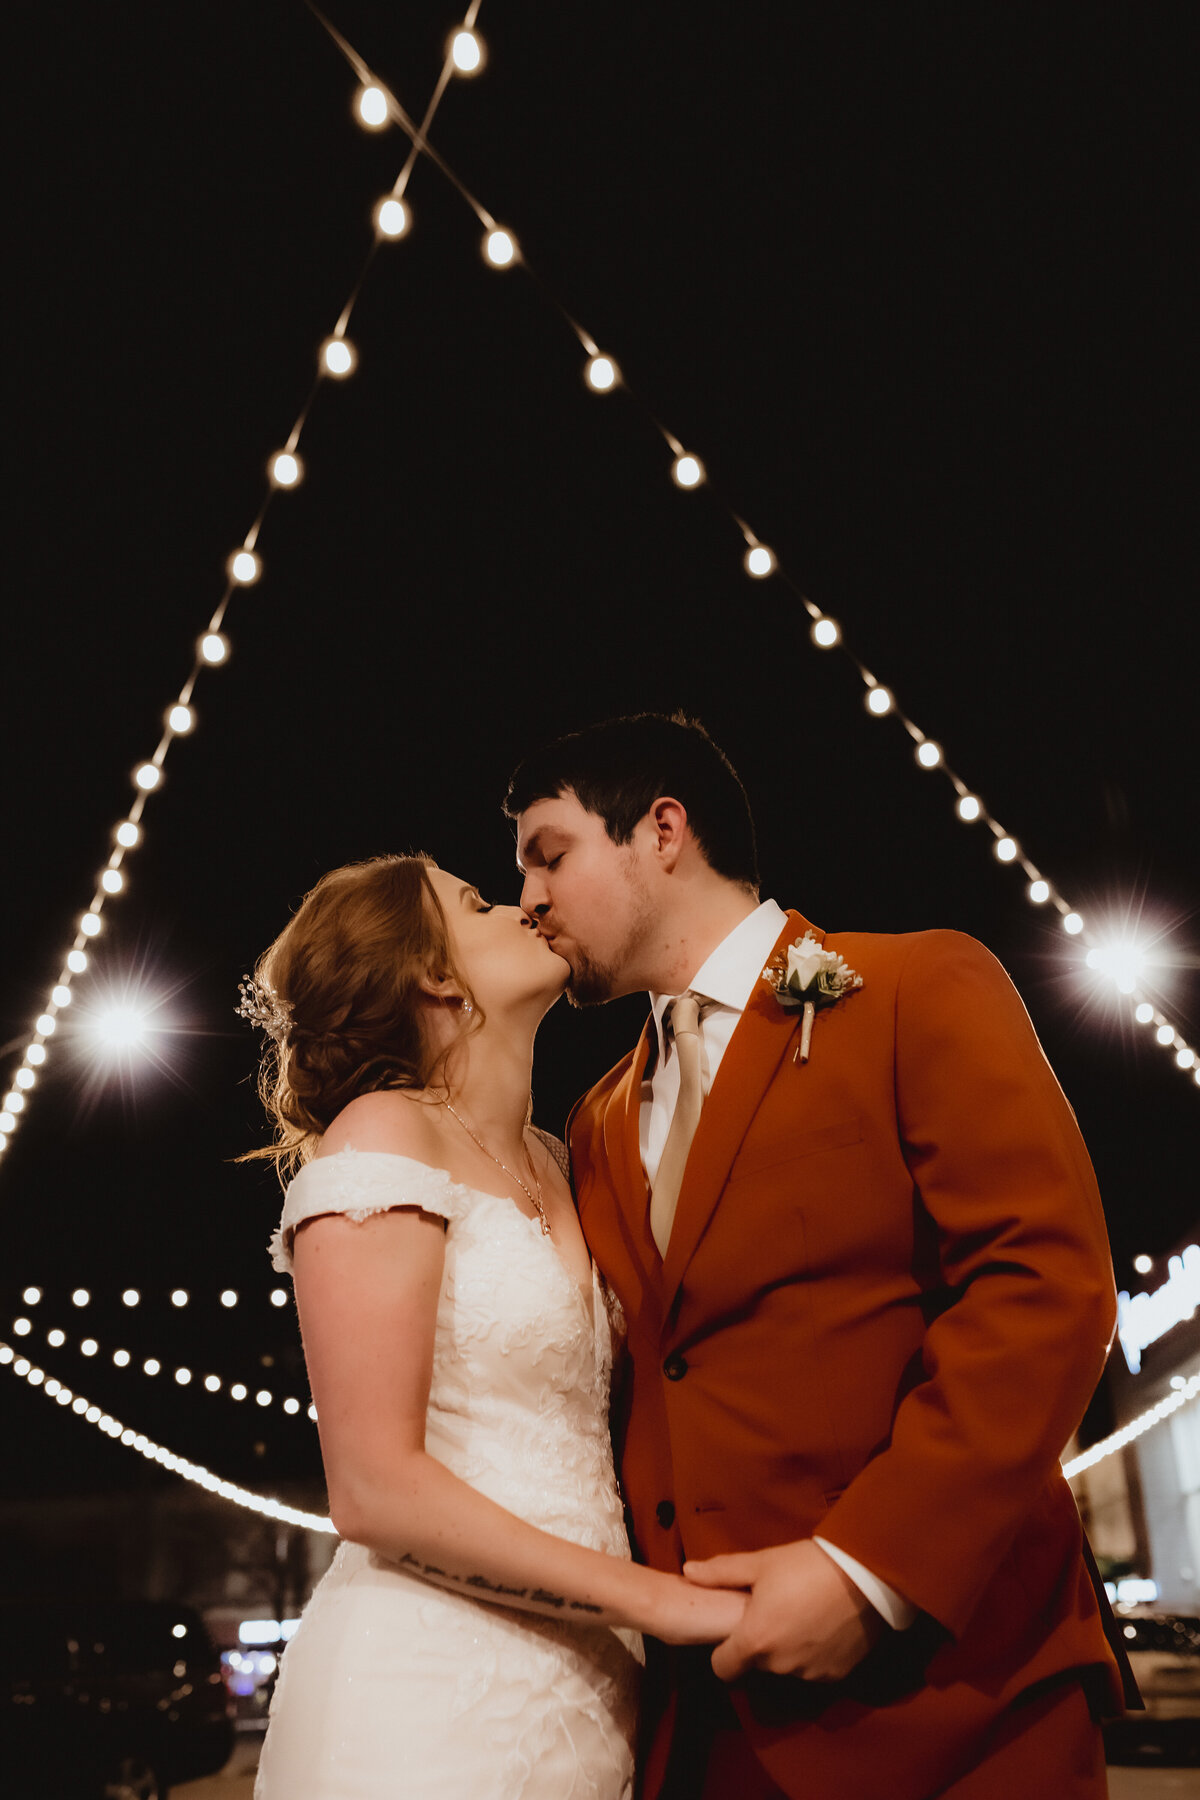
x=594 y=982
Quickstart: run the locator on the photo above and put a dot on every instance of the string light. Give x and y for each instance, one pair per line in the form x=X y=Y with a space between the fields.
x=687 y=471
x=1072 y=924
x=601 y=374
x=758 y=561
x=500 y=249
x=195 y=1473
x=826 y=633
x=1039 y=891
x=879 y=700
x=1135 y=1429
x=466 y=51
x=337 y=357
x=1006 y=849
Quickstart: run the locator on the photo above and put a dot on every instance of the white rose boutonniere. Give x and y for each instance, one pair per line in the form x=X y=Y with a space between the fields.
x=810 y=977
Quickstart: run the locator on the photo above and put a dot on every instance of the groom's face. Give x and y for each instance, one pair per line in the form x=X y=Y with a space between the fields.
x=590 y=899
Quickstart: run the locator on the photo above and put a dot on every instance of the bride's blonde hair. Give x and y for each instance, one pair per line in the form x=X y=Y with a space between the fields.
x=339 y=993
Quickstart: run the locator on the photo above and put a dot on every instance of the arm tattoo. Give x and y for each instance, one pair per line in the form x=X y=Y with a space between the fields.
x=484 y=1583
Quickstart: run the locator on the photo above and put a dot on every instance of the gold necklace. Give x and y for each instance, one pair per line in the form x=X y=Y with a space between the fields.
x=535 y=1199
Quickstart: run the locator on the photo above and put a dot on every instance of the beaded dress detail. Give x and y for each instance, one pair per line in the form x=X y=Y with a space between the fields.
x=393 y=1687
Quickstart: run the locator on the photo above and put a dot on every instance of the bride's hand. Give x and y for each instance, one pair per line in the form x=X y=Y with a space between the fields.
x=686 y=1614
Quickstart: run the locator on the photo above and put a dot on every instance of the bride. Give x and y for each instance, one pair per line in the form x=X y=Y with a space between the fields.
x=477 y=1635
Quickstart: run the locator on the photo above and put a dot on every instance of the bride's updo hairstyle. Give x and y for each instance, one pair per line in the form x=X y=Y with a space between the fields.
x=339 y=995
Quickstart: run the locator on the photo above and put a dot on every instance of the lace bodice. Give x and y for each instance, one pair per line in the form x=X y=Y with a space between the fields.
x=393 y=1685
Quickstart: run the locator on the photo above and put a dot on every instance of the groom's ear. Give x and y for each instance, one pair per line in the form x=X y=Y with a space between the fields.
x=668 y=822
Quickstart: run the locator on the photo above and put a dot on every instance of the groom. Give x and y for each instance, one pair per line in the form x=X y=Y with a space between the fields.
x=862 y=1257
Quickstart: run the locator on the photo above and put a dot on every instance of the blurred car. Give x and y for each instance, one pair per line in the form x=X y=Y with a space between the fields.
x=1164 y=1651
x=108 y=1702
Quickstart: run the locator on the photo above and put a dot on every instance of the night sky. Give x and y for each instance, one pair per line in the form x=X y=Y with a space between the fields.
x=911 y=279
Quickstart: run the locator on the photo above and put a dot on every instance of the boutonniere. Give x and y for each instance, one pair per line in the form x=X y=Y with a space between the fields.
x=810 y=977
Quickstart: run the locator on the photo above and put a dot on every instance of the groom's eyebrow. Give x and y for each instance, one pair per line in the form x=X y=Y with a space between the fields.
x=531 y=850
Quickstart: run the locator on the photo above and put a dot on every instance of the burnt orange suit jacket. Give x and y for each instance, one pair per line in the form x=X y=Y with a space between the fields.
x=886 y=1301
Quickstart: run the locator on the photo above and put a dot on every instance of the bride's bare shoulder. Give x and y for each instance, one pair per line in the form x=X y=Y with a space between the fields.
x=402 y=1121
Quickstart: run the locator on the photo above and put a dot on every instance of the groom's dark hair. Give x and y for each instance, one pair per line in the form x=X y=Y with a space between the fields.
x=620 y=767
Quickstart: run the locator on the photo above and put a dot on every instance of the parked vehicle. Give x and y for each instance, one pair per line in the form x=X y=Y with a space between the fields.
x=108 y=1702
x=1164 y=1651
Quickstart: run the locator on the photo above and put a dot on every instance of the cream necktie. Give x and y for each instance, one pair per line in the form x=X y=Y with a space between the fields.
x=683 y=1015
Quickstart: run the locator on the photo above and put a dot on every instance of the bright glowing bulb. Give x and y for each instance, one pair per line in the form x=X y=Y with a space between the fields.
x=244 y=567
x=56 y=1339
x=1165 y=1034
x=22 y=1327
x=88 y=1347
x=392 y=217
x=291 y=1406
x=263 y=1397
x=112 y=881
x=372 y=107
x=1072 y=924
x=228 y=1297
x=214 y=647
x=183 y=1376
x=31 y=1296
x=60 y=995
x=929 y=754
x=14 y=1102
x=312 y=1413
x=1143 y=1012
x=687 y=471
x=179 y=1297
x=46 y=1024
x=237 y=1391
x=466 y=51
x=279 y=1297
x=1006 y=849
x=338 y=356
x=285 y=469
x=500 y=249
x=7 y=1123
x=22 y=1366
x=130 y=1297
x=77 y=961
x=36 y=1054
x=600 y=373
x=1185 y=1057
x=879 y=700
x=181 y=718
x=151 y=1366
x=825 y=633
x=968 y=808
x=212 y=1383
x=121 y=1358
x=81 y=1297
x=121 y=1027
x=147 y=775
x=758 y=561
x=1039 y=891
x=24 y=1078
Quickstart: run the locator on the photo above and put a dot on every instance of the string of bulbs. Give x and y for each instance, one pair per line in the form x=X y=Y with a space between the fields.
x=151 y=1366
x=125 y=1435
x=376 y=107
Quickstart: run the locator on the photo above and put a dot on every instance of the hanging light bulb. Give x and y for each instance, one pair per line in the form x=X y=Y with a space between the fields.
x=826 y=633
x=214 y=647
x=1039 y=891
x=25 y=1078
x=1005 y=849
x=687 y=471
x=147 y=776
x=338 y=357
x=36 y=1054
x=371 y=105
x=1143 y=1012
x=758 y=561
x=90 y=924
x=500 y=249
x=392 y=217
x=112 y=881
x=1165 y=1034
x=466 y=51
x=1072 y=924
x=879 y=700
x=181 y=719
x=285 y=469
x=601 y=374
x=60 y=995
x=77 y=961
x=929 y=754
x=968 y=808
x=1185 y=1058
x=244 y=567
x=128 y=835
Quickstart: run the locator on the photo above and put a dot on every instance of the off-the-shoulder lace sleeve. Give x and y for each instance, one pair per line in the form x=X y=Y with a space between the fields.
x=359 y=1183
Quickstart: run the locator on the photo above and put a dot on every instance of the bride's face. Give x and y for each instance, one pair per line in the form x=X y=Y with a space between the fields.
x=497 y=949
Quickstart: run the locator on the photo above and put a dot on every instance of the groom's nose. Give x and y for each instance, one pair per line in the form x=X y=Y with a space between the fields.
x=534 y=903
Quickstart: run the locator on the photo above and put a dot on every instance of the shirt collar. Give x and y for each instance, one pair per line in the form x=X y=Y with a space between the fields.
x=730 y=973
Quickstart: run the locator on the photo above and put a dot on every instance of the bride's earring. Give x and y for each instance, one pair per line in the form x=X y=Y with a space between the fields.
x=467 y=1009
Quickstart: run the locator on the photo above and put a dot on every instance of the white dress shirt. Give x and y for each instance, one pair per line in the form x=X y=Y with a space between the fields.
x=725 y=982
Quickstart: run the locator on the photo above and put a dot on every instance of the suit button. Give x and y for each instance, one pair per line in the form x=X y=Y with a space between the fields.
x=675 y=1368
x=664 y=1512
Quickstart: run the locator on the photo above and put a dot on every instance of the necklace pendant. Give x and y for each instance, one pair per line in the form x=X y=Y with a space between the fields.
x=545 y=1226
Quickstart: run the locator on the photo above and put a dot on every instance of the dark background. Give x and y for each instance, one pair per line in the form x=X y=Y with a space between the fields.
x=912 y=279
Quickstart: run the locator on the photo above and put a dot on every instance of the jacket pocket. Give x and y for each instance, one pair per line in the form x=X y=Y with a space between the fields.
x=838 y=1135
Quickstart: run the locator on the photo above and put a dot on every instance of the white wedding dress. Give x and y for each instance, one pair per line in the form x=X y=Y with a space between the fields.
x=393 y=1687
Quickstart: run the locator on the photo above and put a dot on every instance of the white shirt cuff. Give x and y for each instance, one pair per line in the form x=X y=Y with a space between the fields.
x=891 y=1606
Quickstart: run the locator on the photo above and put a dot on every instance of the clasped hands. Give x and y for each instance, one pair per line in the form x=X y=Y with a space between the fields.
x=804 y=1616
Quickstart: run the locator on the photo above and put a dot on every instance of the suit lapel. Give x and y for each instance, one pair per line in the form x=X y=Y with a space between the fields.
x=763 y=1035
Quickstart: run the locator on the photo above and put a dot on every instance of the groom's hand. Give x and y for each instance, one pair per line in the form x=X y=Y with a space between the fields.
x=804 y=1617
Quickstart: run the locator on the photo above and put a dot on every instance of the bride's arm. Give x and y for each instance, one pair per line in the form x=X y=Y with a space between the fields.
x=367 y=1295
